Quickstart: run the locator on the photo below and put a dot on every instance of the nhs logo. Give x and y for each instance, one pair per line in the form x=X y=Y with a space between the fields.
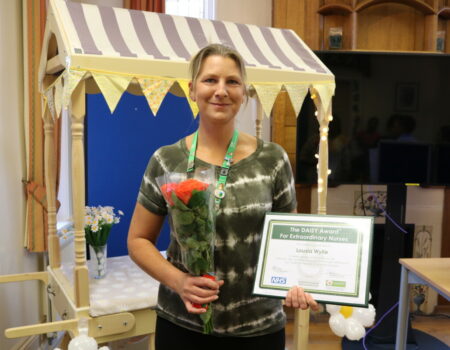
x=278 y=280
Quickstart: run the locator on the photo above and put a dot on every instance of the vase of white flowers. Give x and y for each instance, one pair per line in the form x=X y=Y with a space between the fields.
x=98 y=223
x=98 y=261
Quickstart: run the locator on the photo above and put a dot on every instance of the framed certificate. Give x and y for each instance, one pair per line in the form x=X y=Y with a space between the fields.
x=329 y=256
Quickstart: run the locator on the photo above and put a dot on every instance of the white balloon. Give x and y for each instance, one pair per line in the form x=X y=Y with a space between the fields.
x=354 y=329
x=366 y=316
x=332 y=309
x=83 y=342
x=337 y=324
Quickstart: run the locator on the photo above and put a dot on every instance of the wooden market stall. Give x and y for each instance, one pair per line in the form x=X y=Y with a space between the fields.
x=91 y=48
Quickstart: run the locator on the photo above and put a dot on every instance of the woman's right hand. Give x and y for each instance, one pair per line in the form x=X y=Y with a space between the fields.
x=197 y=290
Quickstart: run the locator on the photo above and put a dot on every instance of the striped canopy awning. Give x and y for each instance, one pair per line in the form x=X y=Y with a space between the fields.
x=116 y=46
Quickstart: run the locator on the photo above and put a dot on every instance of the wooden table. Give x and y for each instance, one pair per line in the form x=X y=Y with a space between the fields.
x=434 y=272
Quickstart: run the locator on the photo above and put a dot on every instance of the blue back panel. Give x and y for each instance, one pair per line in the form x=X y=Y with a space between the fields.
x=118 y=148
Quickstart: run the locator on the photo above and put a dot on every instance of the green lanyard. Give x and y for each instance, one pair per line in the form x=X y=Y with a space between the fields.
x=219 y=192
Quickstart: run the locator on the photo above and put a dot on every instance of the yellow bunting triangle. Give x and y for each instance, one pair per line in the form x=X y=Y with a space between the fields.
x=267 y=93
x=184 y=84
x=326 y=92
x=70 y=83
x=58 y=97
x=154 y=91
x=297 y=93
x=112 y=87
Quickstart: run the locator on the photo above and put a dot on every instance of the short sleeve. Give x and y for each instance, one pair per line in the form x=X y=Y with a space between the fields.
x=149 y=194
x=284 y=197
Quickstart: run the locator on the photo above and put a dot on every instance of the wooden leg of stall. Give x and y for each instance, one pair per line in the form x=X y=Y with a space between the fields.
x=50 y=186
x=151 y=341
x=81 y=278
x=301 y=329
x=301 y=317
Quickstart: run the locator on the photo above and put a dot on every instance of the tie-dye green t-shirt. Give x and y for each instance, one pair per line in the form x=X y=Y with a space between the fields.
x=261 y=183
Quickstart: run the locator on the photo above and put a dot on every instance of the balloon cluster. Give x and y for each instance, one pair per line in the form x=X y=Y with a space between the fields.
x=350 y=321
x=83 y=341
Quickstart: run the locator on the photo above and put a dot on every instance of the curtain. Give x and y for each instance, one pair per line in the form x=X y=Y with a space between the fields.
x=145 y=5
x=36 y=204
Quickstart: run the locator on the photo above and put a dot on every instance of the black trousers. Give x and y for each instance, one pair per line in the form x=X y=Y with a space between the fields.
x=169 y=336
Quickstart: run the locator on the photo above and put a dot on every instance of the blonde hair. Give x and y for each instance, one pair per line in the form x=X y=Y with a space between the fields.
x=220 y=50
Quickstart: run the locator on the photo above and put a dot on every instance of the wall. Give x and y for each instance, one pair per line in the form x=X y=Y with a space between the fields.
x=18 y=301
x=258 y=12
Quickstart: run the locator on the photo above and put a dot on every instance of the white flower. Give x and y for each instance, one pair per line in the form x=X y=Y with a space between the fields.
x=97 y=217
x=350 y=321
x=109 y=219
x=88 y=220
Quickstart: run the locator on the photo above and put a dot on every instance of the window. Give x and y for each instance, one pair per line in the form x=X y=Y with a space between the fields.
x=191 y=8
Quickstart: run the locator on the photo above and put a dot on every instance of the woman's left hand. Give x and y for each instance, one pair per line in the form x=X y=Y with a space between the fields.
x=298 y=298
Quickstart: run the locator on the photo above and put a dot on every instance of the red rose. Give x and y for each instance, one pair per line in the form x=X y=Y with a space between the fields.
x=167 y=190
x=185 y=188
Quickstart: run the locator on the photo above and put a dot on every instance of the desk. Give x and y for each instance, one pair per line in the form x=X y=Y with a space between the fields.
x=434 y=272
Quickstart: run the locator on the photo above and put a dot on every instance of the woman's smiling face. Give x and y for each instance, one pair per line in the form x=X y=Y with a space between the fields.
x=218 y=89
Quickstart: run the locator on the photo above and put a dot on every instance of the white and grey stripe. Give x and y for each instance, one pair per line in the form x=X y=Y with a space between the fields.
x=116 y=32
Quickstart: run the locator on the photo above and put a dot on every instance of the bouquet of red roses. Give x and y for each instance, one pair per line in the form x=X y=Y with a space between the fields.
x=192 y=219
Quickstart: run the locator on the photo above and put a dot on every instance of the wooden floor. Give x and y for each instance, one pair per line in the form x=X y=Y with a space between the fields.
x=322 y=338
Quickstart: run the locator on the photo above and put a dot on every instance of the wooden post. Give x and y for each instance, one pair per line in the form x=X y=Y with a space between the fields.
x=301 y=329
x=259 y=118
x=322 y=172
x=430 y=34
x=301 y=322
x=323 y=118
x=354 y=31
x=81 y=278
x=50 y=187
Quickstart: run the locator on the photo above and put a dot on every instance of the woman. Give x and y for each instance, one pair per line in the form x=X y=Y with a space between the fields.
x=259 y=180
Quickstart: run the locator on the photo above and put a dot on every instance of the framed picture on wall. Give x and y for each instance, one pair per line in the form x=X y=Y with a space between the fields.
x=406 y=97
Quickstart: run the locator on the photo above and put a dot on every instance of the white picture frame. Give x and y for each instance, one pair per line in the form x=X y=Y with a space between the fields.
x=328 y=255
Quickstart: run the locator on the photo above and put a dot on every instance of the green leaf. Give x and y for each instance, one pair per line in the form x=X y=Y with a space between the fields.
x=206 y=317
x=202 y=212
x=192 y=243
x=177 y=203
x=89 y=235
x=103 y=234
x=182 y=217
x=198 y=199
x=187 y=217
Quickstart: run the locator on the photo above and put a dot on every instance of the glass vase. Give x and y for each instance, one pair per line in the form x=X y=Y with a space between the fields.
x=98 y=261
